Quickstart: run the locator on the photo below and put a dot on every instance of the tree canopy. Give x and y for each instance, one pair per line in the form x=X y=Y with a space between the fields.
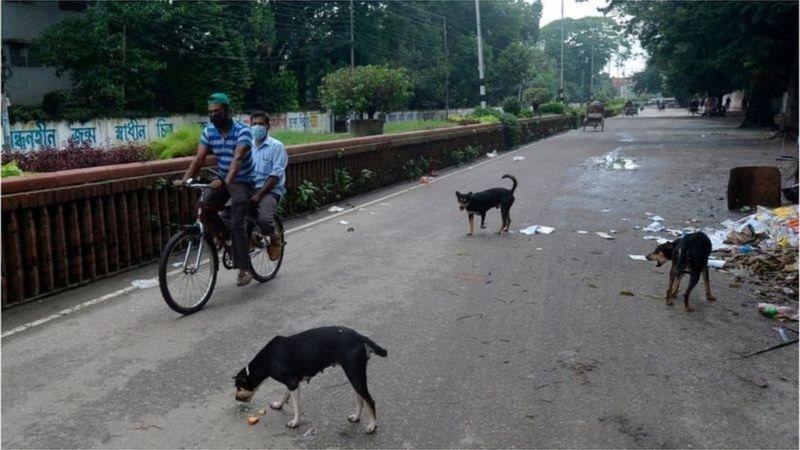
x=715 y=47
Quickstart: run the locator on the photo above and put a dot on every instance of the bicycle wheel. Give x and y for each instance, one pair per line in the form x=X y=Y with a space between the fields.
x=265 y=269
x=187 y=271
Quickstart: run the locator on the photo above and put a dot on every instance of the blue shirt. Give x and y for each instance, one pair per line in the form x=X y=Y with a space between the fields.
x=270 y=160
x=224 y=149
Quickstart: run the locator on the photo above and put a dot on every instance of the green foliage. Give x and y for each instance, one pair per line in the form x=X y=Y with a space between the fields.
x=472 y=152
x=182 y=142
x=589 y=44
x=365 y=89
x=481 y=112
x=552 y=108
x=525 y=114
x=415 y=168
x=513 y=130
x=306 y=195
x=537 y=96
x=512 y=105
x=10 y=170
x=340 y=183
x=416 y=125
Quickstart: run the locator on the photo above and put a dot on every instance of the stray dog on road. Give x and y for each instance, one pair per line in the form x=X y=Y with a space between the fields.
x=480 y=202
x=299 y=357
x=689 y=254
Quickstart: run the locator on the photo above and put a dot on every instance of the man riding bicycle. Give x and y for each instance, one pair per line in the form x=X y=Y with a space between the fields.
x=230 y=142
x=269 y=162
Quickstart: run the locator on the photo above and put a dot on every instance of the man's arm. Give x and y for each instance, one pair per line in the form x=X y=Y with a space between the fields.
x=238 y=156
x=279 y=162
x=197 y=163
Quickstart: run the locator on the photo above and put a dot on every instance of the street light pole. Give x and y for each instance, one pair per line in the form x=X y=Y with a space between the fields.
x=480 y=53
x=561 y=89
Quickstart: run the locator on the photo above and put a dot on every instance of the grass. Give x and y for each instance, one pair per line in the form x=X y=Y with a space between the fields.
x=296 y=137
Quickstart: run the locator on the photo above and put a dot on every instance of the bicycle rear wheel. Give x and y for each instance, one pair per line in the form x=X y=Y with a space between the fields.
x=265 y=269
x=187 y=271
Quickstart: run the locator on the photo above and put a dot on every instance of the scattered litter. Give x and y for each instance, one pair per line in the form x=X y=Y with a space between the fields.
x=372 y=213
x=335 y=209
x=252 y=420
x=262 y=412
x=537 y=229
x=351 y=229
x=627 y=293
x=518 y=158
x=344 y=222
x=491 y=154
x=434 y=173
x=716 y=263
x=310 y=432
x=637 y=257
x=777 y=312
x=648 y=214
x=145 y=284
x=605 y=210
x=654 y=227
x=782 y=333
x=604 y=235
x=539 y=248
x=425 y=180
x=657 y=219
x=177 y=264
x=583 y=232
x=612 y=231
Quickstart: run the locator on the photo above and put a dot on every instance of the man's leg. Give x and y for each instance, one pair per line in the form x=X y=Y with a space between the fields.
x=240 y=207
x=266 y=223
x=214 y=202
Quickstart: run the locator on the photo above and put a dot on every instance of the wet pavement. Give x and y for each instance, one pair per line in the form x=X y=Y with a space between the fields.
x=543 y=340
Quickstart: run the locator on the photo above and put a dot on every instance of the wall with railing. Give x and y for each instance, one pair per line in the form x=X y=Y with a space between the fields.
x=65 y=229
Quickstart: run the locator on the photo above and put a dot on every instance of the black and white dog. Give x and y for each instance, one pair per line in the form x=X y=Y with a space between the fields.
x=299 y=357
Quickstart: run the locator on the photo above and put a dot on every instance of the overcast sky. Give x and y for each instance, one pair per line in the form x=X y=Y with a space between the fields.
x=551 y=10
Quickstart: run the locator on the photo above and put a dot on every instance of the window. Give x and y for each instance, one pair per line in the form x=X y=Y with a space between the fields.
x=73 y=5
x=19 y=55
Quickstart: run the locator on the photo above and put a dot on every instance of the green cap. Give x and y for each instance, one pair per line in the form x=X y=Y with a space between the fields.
x=219 y=98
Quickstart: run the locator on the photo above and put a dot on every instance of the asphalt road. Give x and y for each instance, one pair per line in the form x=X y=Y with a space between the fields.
x=493 y=341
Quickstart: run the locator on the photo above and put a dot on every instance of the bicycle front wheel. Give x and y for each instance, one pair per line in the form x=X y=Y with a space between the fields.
x=264 y=268
x=187 y=271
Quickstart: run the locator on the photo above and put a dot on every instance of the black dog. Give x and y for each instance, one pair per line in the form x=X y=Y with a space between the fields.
x=297 y=358
x=689 y=254
x=480 y=202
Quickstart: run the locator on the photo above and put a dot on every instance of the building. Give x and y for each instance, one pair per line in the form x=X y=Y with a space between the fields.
x=25 y=80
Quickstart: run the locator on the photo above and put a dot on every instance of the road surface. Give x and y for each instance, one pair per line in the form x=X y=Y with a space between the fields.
x=493 y=341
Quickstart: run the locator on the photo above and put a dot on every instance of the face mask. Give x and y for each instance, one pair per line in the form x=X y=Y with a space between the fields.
x=259 y=132
x=218 y=119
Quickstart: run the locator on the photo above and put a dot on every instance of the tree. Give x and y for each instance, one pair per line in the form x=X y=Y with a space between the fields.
x=716 y=47
x=366 y=90
x=537 y=96
x=590 y=42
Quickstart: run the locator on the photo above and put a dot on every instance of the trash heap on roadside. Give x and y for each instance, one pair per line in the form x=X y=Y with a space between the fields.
x=763 y=245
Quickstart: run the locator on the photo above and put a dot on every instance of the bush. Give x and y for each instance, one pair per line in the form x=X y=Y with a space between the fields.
x=182 y=142
x=537 y=96
x=481 y=112
x=10 y=170
x=53 y=102
x=512 y=129
x=525 y=114
x=512 y=105
x=75 y=156
x=552 y=108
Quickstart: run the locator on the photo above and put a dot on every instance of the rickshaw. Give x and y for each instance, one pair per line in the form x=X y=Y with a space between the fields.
x=595 y=116
x=630 y=109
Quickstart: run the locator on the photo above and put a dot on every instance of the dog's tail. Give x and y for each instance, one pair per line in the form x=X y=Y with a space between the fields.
x=372 y=347
x=513 y=179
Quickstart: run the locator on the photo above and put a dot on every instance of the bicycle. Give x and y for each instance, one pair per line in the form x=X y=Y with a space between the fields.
x=188 y=266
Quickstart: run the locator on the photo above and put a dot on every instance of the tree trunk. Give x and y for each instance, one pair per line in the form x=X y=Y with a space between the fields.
x=759 y=111
x=790 y=118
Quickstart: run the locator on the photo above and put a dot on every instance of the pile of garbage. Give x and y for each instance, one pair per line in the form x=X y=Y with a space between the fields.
x=764 y=246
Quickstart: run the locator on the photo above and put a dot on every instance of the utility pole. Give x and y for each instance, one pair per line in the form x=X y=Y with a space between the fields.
x=561 y=89
x=352 y=39
x=591 y=80
x=446 y=73
x=480 y=53
x=124 y=58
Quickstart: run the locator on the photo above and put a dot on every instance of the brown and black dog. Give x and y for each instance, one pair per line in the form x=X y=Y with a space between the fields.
x=689 y=254
x=480 y=202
